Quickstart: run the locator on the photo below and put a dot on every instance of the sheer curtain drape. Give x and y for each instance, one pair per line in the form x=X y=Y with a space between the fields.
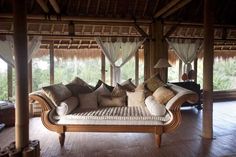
x=7 y=48
x=186 y=50
x=118 y=53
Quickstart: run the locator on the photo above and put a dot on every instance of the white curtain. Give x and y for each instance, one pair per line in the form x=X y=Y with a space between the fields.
x=118 y=53
x=186 y=50
x=7 y=48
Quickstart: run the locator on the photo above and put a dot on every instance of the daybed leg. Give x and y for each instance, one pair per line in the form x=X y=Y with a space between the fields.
x=62 y=139
x=158 y=139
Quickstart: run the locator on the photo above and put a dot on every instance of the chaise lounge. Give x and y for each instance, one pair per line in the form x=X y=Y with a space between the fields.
x=123 y=118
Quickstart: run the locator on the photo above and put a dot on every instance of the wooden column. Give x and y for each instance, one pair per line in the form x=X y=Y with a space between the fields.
x=20 y=47
x=136 y=68
x=51 y=54
x=159 y=49
x=30 y=76
x=180 y=69
x=111 y=75
x=103 y=67
x=208 y=70
x=147 y=60
x=153 y=59
x=9 y=80
x=195 y=69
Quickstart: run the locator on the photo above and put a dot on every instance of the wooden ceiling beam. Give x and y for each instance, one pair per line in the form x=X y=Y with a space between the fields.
x=171 y=30
x=55 y=6
x=176 y=8
x=155 y=6
x=107 y=7
x=43 y=5
x=166 y=8
x=115 y=7
x=141 y=31
x=88 y=5
x=145 y=7
x=135 y=7
x=98 y=6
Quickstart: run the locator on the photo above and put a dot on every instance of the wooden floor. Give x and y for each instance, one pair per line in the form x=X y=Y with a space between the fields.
x=185 y=142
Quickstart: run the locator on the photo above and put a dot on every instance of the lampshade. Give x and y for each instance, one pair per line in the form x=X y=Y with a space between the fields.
x=162 y=63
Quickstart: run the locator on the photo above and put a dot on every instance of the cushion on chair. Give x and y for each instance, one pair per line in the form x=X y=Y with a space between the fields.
x=88 y=101
x=109 y=100
x=128 y=85
x=118 y=91
x=100 y=82
x=154 y=107
x=57 y=93
x=67 y=106
x=78 y=89
x=137 y=97
x=163 y=94
x=154 y=82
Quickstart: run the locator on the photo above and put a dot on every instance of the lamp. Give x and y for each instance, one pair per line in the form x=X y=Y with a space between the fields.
x=162 y=63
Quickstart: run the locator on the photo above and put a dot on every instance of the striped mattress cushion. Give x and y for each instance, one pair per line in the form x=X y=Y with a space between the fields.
x=113 y=116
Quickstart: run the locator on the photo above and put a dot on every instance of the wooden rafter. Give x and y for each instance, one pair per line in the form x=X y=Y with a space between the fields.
x=155 y=6
x=140 y=30
x=78 y=6
x=55 y=6
x=107 y=7
x=145 y=7
x=135 y=7
x=43 y=5
x=115 y=7
x=98 y=6
x=176 y=8
x=171 y=30
x=166 y=8
x=88 y=5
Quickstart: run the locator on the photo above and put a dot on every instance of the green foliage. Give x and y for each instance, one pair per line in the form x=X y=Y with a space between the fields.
x=3 y=85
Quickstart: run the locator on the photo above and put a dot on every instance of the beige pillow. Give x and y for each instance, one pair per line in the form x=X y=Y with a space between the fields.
x=57 y=93
x=67 y=106
x=108 y=101
x=163 y=95
x=154 y=107
x=136 y=98
x=118 y=91
x=88 y=101
x=154 y=82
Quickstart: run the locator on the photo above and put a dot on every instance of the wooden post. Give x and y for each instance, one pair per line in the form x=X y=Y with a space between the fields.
x=147 y=60
x=180 y=69
x=9 y=80
x=137 y=68
x=152 y=51
x=208 y=70
x=51 y=54
x=103 y=67
x=195 y=69
x=30 y=76
x=111 y=74
x=21 y=57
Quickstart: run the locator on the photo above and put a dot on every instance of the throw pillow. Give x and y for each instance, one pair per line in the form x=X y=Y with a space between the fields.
x=88 y=100
x=128 y=85
x=78 y=89
x=154 y=82
x=100 y=82
x=67 y=106
x=57 y=93
x=102 y=90
x=163 y=95
x=137 y=97
x=154 y=107
x=118 y=91
x=109 y=101
x=78 y=81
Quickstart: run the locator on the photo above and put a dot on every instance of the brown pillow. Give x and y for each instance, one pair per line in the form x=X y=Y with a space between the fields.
x=78 y=89
x=88 y=101
x=109 y=100
x=128 y=85
x=57 y=93
x=118 y=91
x=154 y=82
x=79 y=81
x=110 y=88
x=163 y=95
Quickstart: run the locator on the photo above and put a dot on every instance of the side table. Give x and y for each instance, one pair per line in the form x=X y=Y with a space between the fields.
x=7 y=113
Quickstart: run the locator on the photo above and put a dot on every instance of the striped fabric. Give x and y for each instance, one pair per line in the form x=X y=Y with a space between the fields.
x=136 y=115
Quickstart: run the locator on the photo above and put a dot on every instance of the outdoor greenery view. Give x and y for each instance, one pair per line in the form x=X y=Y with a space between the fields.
x=90 y=71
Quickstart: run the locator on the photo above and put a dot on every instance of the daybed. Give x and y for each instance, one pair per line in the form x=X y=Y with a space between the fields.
x=114 y=119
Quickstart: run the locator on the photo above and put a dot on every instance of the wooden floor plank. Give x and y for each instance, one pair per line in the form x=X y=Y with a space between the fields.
x=186 y=141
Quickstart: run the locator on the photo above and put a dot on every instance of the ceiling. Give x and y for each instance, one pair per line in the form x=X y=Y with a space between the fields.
x=52 y=19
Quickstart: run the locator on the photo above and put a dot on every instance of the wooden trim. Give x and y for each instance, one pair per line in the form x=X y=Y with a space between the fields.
x=136 y=68
x=103 y=67
x=225 y=95
x=9 y=81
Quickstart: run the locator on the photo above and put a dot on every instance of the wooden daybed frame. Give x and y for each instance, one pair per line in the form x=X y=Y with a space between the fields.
x=158 y=130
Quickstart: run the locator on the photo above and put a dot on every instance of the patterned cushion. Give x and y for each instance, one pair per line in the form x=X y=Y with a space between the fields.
x=100 y=82
x=163 y=95
x=154 y=107
x=154 y=82
x=78 y=89
x=57 y=93
x=118 y=91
